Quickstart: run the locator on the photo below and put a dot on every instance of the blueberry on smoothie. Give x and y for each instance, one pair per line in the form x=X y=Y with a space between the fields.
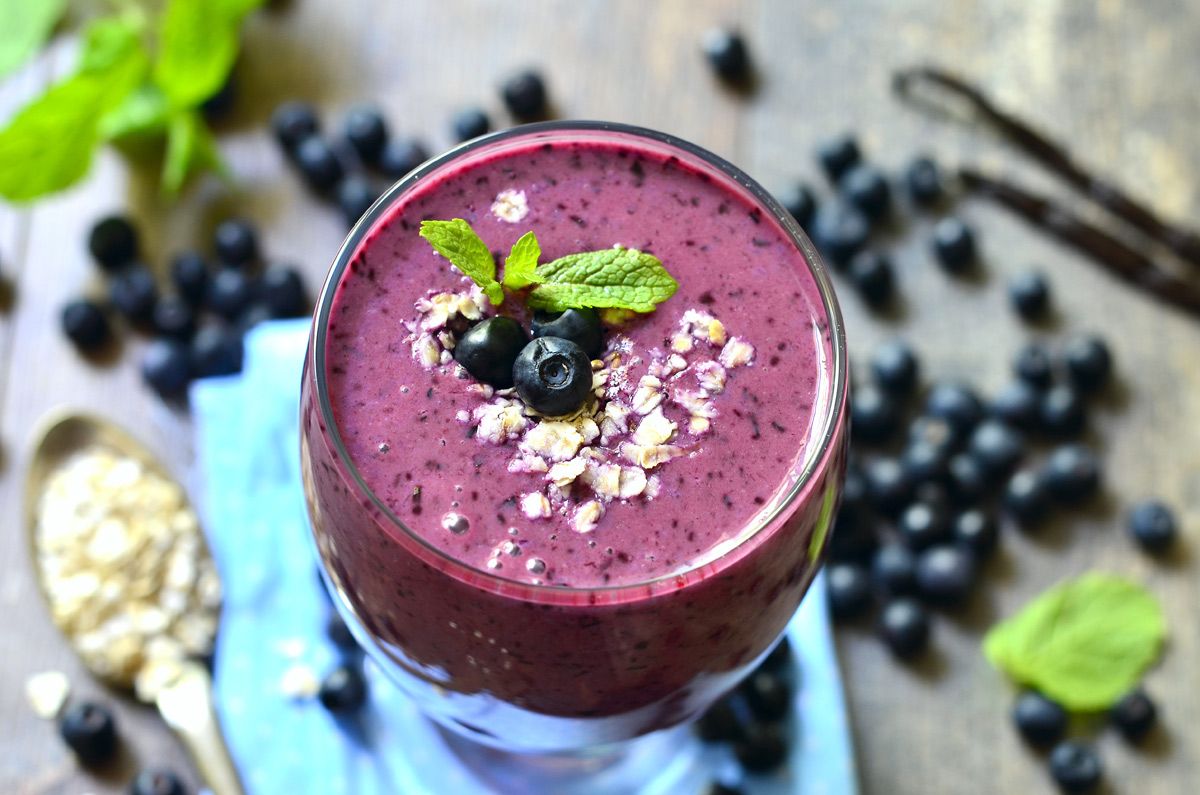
x=488 y=351
x=552 y=375
x=580 y=326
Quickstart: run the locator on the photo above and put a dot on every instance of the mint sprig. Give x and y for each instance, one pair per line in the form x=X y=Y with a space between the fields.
x=1083 y=643
x=27 y=26
x=521 y=264
x=456 y=241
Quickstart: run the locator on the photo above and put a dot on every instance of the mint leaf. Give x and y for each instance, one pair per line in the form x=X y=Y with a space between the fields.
x=198 y=43
x=144 y=112
x=456 y=241
x=190 y=148
x=1083 y=643
x=621 y=278
x=519 y=267
x=27 y=25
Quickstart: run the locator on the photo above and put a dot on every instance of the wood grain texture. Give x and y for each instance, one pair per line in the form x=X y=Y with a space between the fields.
x=1117 y=78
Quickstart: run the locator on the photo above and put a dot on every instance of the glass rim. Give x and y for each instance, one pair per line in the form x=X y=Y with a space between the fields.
x=829 y=423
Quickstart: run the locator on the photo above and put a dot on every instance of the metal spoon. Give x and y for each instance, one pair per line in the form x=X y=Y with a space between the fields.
x=186 y=702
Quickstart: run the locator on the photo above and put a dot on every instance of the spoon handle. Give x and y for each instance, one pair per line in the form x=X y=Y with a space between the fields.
x=187 y=707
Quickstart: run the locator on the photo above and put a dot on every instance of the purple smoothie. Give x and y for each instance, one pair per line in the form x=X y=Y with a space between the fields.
x=621 y=573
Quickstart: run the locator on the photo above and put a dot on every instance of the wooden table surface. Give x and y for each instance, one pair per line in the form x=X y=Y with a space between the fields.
x=1117 y=78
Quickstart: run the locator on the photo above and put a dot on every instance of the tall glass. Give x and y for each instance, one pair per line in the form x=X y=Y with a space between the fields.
x=561 y=680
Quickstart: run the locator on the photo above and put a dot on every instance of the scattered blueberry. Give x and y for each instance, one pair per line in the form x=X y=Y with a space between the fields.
x=923 y=180
x=1027 y=497
x=283 y=291
x=235 y=242
x=975 y=531
x=866 y=187
x=956 y=403
x=895 y=568
x=355 y=195
x=157 y=782
x=293 y=123
x=838 y=155
x=935 y=431
x=768 y=696
x=840 y=231
x=1062 y=411
x=552 y=375
x=849 y=590
x=1029 y=293
x=580 y=326
x=166 y=367
x=367 y=132
x=318 y=163
x=871 y=273
x=1072 y=474
x=716 y=788
x=1018 y=404
x=872 y=414
x=1135 y=715
x=218 y=106
x=780 y=657
x=469 y=123
x=921 y=525
x=799 y=201
x=763 y=748
x=1153 y=525
x=924 y=461
x=113 y=242
x=854 y=537
x=90 y=732
x=1033 y=365
x=965 y=479
x=400 y=156
x=133 y=292
x=86 y=325
x=904 y=626
x=256 y=314
x=524 y=95
x=895 y=367
x=189 y=273
x=343 y=690
x=1075 y=767
x=997 y=447
x=174 y=317
x=1089 y=363
x=727 y=54
x=945 y=574
x=1040 y=721
x=488 y=350
x=888 y=487
x=720 y=723
x=230 y=293
x=954 y=244
x=216 y=350
x=337 y=631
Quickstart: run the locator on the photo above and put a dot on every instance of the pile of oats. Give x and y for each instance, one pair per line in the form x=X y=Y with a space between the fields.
x=125 y=569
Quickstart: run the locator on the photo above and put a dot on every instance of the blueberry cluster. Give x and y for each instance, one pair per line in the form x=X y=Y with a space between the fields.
x=90 y=731
x=753 y=719
x=185 y=344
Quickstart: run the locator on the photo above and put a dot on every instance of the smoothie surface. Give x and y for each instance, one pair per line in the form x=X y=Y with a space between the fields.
x=728 y=421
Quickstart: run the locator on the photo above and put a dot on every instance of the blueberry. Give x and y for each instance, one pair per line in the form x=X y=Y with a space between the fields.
x=189 y=273
x=799 y=201
x=230 y=293
x=1134 y=715
x=366 y=131
x=552 y=375
x=256 y=314
x=166 y=367
x=726 y=53
x=895 y=568
x=853 y=536
x=1027 y=497
x=965 y=479
x=1072 y=474
x=133 y=292
x=780 y=658
x=86 y=325
x=888 y=487
x=1040 y=721
x=343 y=690
x=895 y=366
x=840 y=231
x=293 y=123
x=1152 y=525
x=337 y=631
x=871 y=273
x=922 y=525
x=218 y=105
x=716 y=788
x=872 y=414
x=923 y=462
x=355 y=195
x=400 y=156
x=720 y=723
x=469 y=123
x=997 y=447
x=1062 y=411
x=904 y=627
x=216 y=350
x=235 y=242
x=488 y=350
x=318 y=164
x=763 y=748
x=866 y=187
x=976 y=531
x=954 y=245
x=936 y=432
x=768 y=696
x=1033 y=365
x=849 y=590
x=923 y=180
x=1029 y=293
x=524 y=95
x=838 y=155
x=157 y=782
x=174 y=317
x=283 y=291
x=956 y=403
x=945 y=574
x=90 y=732
x=1018 y=404
x=113 y=242
x=1089 y=363
x=1075 y=767
x=580 y=326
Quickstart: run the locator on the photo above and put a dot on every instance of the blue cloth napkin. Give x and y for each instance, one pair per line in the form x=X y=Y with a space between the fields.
x=272 y=638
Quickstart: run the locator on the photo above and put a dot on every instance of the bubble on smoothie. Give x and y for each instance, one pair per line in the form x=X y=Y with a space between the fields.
x=493 y=563
x=535 y=566
x=511 y=548
x=456 y=523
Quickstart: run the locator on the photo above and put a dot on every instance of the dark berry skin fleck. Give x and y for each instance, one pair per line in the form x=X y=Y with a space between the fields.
x=954 y=245
x=904 y=627
x=1134 y=715
x=113 y=242
x=580 y=326
x=1075 y=767
x=727 y=54
x=849 y=589
x=489 y=349
x=1153 y=526
x=722 y=789
x=90 y=732
x=552 y=375
x=343 y=690
x=838 y=155
x=1040 y=721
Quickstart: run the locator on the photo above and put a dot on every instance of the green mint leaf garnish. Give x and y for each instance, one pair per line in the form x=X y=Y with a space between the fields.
x=27 y=25
x=621 y=278
x=198 y=43
x=1083 y=643
x=190 y=148
x=519 y=268
x=456 y=241
x=145 y=112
